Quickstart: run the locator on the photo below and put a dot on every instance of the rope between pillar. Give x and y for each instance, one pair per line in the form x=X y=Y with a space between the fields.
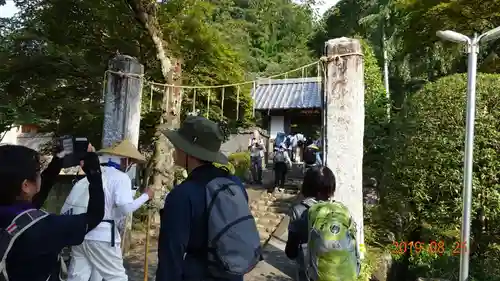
x=334 y=57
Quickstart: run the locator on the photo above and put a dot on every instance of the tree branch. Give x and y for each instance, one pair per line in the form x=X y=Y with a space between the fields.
x=145 y=14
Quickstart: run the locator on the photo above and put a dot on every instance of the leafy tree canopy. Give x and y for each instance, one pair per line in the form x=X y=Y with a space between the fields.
x=54 y=53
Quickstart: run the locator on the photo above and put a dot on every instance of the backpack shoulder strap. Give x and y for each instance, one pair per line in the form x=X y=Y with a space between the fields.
x=218 y=185
x=19 y=224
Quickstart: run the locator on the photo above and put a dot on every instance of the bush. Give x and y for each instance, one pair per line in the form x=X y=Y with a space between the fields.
x=375 y=115
x=241 y=164
x=421 y=192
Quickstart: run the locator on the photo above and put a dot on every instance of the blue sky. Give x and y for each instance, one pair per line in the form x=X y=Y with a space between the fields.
x=9 y=9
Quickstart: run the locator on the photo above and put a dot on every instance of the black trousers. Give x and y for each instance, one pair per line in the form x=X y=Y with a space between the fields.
x=280 y=170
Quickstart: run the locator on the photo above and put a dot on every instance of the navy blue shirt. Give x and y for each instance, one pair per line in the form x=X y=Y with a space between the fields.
x=34 y=255
x=184 y=227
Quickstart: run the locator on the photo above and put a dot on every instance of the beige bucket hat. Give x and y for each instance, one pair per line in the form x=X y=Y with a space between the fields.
x=124 y=148
x=200 y=138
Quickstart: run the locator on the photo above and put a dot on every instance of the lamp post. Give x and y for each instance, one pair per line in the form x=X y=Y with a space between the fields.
x=472 y=51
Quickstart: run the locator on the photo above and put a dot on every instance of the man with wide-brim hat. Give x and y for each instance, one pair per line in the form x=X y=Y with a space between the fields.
x=183 y=232
x=197 y=139
x=125 y=150
x=100 y=255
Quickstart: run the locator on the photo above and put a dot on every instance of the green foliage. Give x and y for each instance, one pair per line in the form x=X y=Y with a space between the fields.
x=422 y=185
x=375 y=116
x=241 y=163
x=370 y=263
x=53 y=55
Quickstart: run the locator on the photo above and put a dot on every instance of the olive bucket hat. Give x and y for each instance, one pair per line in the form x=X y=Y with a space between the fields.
x=199 y=138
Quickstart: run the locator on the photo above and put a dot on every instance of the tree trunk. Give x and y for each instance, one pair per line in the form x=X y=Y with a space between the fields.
x=160 y=169
x=386 y=72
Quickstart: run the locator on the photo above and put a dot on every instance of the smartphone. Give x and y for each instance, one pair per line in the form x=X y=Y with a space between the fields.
x=75 y=148
x=80 y=146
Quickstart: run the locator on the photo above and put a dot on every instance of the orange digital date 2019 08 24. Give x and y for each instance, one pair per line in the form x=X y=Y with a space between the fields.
x=433 y=247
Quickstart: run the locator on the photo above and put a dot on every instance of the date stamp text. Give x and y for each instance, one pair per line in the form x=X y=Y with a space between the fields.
x=432 y=247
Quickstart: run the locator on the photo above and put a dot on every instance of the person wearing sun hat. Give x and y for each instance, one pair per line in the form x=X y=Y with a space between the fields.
x=100 y=255
x=182 y=245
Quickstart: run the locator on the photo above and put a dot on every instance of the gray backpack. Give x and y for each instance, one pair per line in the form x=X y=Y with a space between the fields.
x=8 y=236
x=233 y=240
x=279 y=157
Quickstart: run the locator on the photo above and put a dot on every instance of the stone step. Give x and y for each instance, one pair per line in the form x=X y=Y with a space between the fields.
x=265 y=229
x=260 y=214
x=269 y=210
x=268 y=220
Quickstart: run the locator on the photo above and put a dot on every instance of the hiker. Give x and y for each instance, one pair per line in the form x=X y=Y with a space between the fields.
x=281 y=163
x=322 y=232
x=289 y=143
x=256 y=148
x=279 y=140
x=300 y=140
x=312 y=157
x=207 y=231
x=308 y=192
x=39 y=237
x=100 y=251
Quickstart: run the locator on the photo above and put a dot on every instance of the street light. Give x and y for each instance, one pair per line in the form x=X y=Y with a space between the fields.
x=472 y=50
x=452 y=36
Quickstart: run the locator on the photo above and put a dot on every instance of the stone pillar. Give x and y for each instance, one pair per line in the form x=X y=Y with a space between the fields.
x=345 y=116
x=122 y=112
x=122 y=100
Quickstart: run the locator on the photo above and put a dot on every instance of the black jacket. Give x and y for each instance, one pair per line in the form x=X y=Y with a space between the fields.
x=34 y=255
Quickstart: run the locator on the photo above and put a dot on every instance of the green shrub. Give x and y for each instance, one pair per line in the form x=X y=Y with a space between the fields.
x=241 y=163
x=370 y=263
x=421 y=192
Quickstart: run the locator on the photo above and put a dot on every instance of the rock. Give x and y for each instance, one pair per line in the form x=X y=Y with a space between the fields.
x=262 y=208
x=384 y=265
x=262 y=228
x=265 y=202
x=269 y=219
x=263 y=236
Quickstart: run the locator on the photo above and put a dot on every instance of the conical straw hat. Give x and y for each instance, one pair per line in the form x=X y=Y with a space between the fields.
x=124 y=149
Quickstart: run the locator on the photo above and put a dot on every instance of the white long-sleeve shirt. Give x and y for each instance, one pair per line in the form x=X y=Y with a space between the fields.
x=118 y=202
x=256 y=151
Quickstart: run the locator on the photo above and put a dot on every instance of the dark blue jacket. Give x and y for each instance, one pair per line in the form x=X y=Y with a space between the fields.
x=34 y=255
x=184 y=227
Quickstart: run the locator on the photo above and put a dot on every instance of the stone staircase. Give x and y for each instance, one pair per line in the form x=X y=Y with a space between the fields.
x=270 y=209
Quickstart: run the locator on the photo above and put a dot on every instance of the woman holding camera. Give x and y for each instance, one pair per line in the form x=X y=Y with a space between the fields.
x=31 y=239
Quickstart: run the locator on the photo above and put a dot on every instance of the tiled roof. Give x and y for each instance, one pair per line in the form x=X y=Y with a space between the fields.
x=288 y=93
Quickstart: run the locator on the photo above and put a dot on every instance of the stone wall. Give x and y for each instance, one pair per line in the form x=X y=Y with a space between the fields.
x=239 y=142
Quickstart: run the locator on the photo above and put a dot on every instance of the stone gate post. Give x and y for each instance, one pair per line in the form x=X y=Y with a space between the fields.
x=122 y=110
x=344 y=117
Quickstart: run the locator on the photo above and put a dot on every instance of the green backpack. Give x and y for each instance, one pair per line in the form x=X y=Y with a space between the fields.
x=333 y=253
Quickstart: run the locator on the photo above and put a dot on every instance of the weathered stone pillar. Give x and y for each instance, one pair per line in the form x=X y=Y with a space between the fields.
x=122 y=100
x=345 y=116
x=122 y=111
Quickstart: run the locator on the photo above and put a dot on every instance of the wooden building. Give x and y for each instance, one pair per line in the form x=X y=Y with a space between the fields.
x=290 y=105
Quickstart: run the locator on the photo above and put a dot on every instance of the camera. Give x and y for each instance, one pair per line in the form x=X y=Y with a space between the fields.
x=75 y=147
